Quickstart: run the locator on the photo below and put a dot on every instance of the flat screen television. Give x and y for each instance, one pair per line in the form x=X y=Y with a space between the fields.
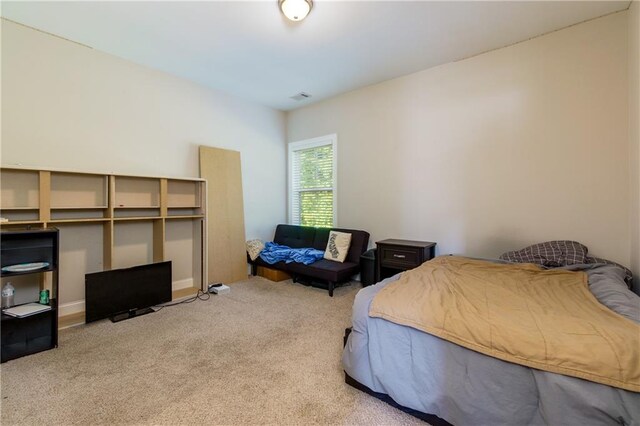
x=125 y=293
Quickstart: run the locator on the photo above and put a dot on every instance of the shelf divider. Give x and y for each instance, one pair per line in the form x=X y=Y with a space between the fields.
x=45 y=196
x=163 y=197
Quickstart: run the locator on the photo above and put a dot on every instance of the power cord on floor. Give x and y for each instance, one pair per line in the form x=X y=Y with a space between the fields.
x=200 y=295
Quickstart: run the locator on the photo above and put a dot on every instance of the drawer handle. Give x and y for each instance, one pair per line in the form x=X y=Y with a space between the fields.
x=399 y=256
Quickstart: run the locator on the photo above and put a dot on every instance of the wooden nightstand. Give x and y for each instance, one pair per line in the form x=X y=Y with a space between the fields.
x=395 y=256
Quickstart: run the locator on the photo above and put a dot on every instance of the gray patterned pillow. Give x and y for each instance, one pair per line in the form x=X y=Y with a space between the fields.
x=550 y=254
x=553 y=254
x=254 y=247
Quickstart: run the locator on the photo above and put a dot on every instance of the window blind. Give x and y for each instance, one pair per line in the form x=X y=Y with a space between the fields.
x=312 y=181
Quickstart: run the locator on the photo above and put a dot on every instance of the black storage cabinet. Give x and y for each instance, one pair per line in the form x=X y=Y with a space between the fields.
x=368 y=267
x=38 y=332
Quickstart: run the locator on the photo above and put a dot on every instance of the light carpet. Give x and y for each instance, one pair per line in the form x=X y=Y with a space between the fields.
x=266 y=353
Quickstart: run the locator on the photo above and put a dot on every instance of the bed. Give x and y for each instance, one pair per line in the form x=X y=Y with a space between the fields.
x=422 y=372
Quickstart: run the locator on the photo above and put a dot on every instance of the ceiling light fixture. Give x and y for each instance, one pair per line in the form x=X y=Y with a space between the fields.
x=295 y=10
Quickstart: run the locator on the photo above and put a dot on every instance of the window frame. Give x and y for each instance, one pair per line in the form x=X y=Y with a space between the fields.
x=332 y=140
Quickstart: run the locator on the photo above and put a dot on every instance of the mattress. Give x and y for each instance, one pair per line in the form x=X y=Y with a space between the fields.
x=431 y=375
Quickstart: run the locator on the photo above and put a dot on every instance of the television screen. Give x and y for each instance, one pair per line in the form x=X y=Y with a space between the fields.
x=109 y=293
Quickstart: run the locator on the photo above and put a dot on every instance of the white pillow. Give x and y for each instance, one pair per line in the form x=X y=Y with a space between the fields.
x=337 y=246
x=254 y=247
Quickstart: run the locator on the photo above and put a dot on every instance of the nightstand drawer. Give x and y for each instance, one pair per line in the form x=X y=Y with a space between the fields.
x=400 y=255
x=391 y=256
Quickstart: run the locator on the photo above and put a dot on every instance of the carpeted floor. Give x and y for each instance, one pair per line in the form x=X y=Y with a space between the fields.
x=267 y=353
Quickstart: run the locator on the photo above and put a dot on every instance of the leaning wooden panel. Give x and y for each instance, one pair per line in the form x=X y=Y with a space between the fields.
x=225 y=211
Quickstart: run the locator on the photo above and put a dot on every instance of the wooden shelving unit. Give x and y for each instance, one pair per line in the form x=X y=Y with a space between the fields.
x=109 y=221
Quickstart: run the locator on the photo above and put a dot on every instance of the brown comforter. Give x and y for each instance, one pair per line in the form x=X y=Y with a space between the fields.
x=544 y=319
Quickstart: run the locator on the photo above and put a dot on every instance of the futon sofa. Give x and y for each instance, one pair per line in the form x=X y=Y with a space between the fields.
x=323 y=270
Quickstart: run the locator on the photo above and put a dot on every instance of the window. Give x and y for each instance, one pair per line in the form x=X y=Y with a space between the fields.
x=312 y=182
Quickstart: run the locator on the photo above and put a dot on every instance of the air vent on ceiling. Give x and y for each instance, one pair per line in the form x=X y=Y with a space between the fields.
x=300 y=96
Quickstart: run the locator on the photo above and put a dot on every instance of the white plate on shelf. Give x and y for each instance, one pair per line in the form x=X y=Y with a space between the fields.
x=25 y=267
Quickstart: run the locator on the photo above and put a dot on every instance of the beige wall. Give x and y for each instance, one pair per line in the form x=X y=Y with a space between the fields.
x=511 y=147
x=68 y=106
x=520 y=145
x=634 y=135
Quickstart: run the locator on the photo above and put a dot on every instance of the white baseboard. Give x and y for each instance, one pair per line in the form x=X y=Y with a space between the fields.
x=78 y=306
x=179 y=285
x=71 y=308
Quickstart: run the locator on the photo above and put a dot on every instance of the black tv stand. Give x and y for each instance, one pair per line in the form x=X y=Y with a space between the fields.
x=132 y=313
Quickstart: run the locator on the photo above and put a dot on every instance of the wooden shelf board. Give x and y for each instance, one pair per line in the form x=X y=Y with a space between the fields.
x=78 y=207
x=98 y=219
x=186 y=179
x=194 y=216
x=104 y=172
x=183 y=207
x=22 y=222
x=101 y=219
x=84 y=219
x=121 y=219
x=5 y=208
x=136 y=207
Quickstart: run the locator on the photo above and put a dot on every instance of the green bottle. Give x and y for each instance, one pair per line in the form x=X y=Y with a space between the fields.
x=44 y=297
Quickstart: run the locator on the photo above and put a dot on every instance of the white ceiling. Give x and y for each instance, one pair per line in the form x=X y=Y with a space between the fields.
x=249 y=49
